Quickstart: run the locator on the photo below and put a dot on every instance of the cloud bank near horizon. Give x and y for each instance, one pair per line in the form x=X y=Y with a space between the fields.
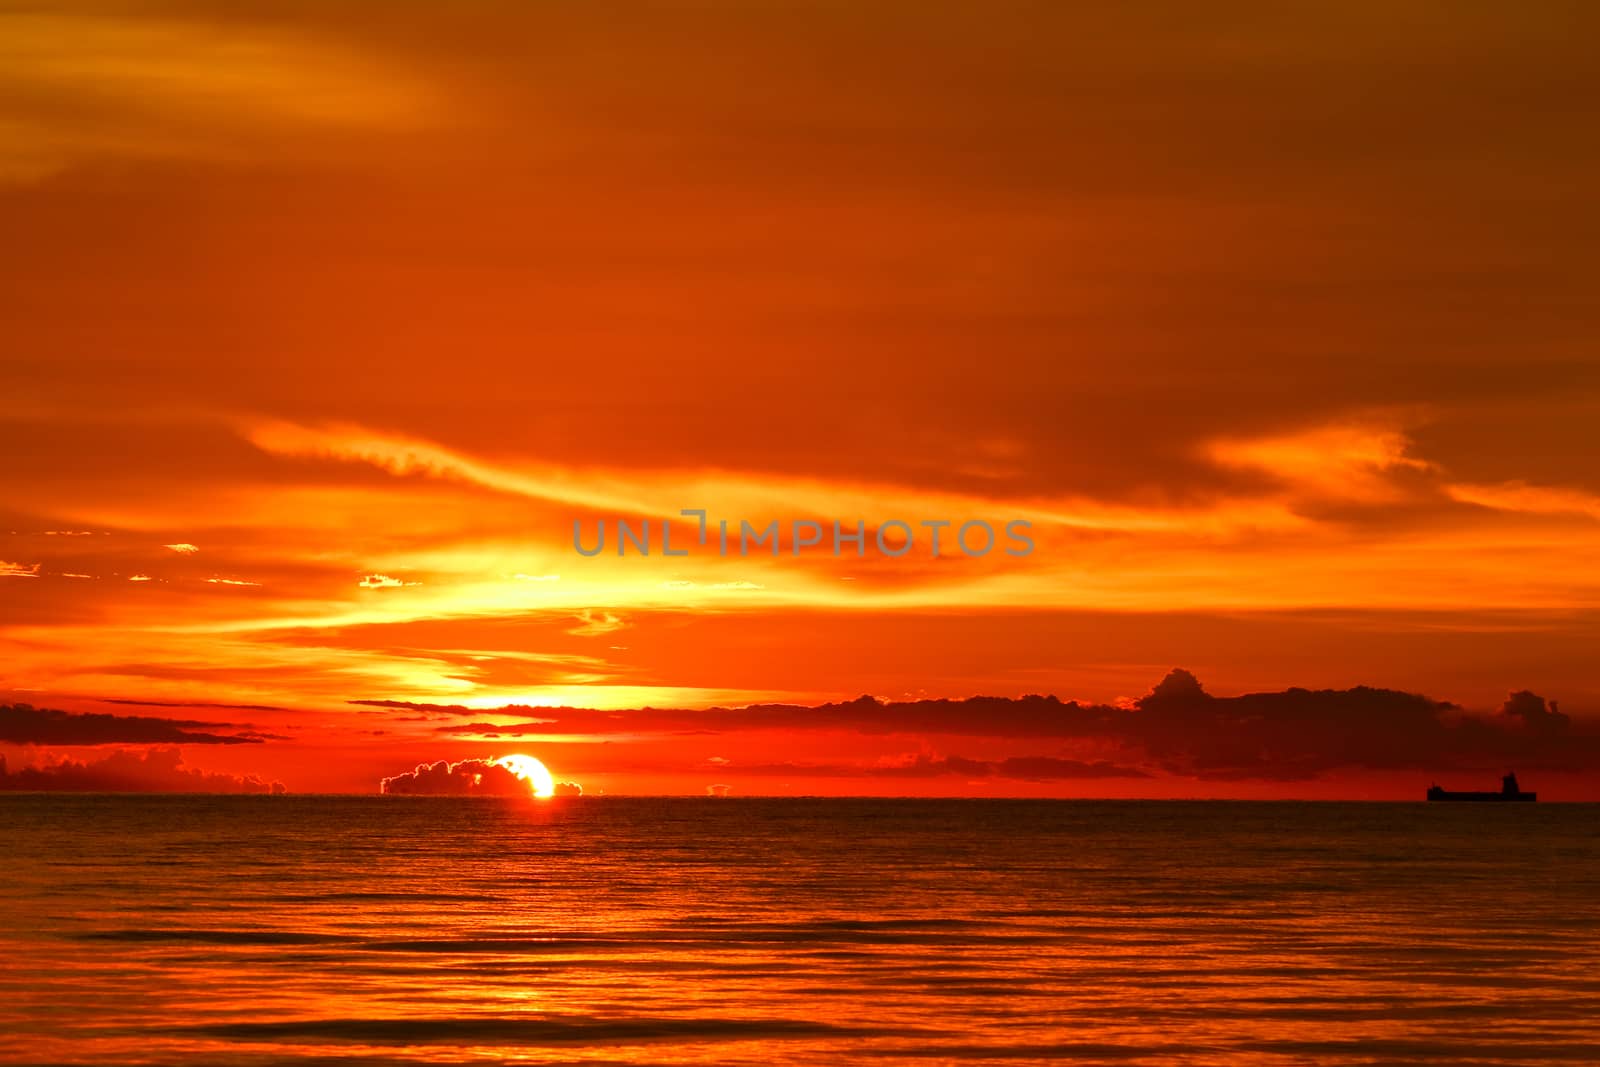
x=154 y=771
x=469 y=777
x=1178 y=728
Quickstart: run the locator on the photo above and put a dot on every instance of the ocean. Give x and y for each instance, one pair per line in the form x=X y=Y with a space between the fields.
x=612 y=930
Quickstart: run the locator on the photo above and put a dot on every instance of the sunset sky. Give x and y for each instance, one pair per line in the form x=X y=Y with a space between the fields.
x=321 y=324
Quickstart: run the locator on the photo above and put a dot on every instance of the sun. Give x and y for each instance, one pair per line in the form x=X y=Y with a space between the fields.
x=530 y=770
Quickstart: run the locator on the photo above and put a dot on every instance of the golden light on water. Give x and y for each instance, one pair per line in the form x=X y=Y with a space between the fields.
x=530 y=770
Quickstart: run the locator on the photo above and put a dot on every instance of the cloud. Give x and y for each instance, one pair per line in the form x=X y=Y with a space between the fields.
x=1528 y=499
x=1299 y=734
x=102 y=85
x=1177 y=728
x=1353 y=461
x=18 y=570
x=1021 y=768
x=594 y=623
x=568 y=789
x=1535 y=714
x=1024 y=717
x=744 y=494
x=183 y=549
x=191 y=704
x=22 y=724
x=154 y=771
x=1051 y=769
x=472 y=777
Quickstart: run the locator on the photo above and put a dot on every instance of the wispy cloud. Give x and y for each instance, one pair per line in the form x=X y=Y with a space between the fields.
x=594 y=623
x=89 y=86
x=1528 y=499
x=1353 y=460
x=21 y=724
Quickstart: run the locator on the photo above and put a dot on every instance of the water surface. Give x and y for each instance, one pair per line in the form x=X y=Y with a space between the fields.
x=614 y=930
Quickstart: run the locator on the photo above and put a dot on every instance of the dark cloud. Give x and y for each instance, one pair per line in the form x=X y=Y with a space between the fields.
x=1029 y=716
x=195 y=704
x=1177 y=727
x=1300 y=733
x=1532 y=711
x=22 y=724
x=473 y=777
x=154 y=771
x=1023 y=768
x=1049 y=769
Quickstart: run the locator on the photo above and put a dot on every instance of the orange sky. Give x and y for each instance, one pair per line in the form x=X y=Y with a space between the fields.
x=323 y=322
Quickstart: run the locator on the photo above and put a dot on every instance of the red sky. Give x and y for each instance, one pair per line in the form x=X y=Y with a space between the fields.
x=1277 y=325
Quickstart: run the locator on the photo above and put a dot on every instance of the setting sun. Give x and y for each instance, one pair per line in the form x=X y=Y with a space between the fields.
x=530 y=770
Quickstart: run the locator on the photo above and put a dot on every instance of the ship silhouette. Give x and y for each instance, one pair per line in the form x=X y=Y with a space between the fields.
x=1508 y=791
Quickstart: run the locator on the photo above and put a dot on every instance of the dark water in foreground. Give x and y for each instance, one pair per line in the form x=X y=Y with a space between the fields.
x=610 y=930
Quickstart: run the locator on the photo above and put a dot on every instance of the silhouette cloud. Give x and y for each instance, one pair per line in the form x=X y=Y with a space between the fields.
x=23 y=724
x=1534 y=713
x=472 y=777
x=1029 y=716
x=1299 y=733
x=1176 y=728
x=155 y=771
x=1022 y=768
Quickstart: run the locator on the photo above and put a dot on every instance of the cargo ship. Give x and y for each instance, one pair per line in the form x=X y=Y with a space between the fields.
x=1508 y=791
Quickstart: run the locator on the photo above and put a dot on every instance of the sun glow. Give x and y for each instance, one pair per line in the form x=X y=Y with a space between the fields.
x=530 y=770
